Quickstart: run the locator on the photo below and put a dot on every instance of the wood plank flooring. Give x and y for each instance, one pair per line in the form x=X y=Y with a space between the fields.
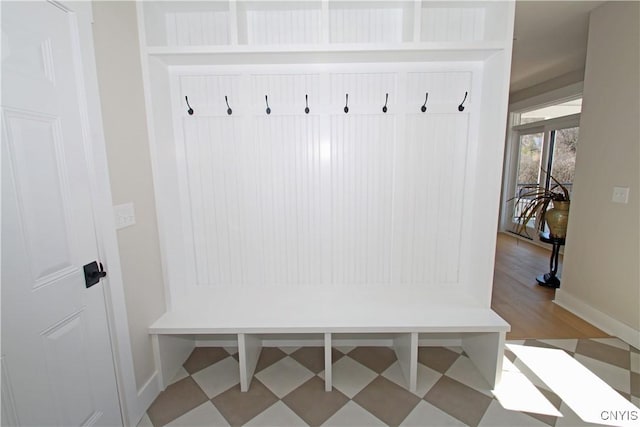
x=528 y=307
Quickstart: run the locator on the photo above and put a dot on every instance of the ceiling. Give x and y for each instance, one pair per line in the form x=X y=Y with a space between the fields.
x=550 y=39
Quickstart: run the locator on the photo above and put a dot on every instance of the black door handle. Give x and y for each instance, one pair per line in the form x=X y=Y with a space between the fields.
x=93 y=273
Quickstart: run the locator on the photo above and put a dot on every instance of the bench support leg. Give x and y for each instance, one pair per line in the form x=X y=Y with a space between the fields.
x=406 y=348
x=170 y=352
x=249 y=348
x=328 y=363
x=486 y=351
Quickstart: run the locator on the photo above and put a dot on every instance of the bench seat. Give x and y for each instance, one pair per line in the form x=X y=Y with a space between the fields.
x=402 y=313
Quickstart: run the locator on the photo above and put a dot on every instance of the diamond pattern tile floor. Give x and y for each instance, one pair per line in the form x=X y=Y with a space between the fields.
x=288 y=388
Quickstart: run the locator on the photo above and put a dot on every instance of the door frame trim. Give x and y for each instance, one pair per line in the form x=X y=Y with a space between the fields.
x=81 y=18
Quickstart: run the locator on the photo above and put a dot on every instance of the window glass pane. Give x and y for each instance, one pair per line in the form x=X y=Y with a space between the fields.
x=529 y=158
x=553 y=111
x=563 y=163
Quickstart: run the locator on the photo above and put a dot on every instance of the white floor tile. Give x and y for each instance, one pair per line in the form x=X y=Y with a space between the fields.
x=425 y=414
x=530 y=374
x=427 y=377
x=570 y=418
x=278 y=414
x=353 y=415
x=218 y=377
x=567 y=344
x=618 y=378
x=516 y=393
x=284 y=376
x=508 y=366
x=350 y=376
x=181 y=374
x=288 y=350
x=465 y=372
x=145 y=421
x=344 y=349
x=497 y=416
x=231 y=350
x=203 y=415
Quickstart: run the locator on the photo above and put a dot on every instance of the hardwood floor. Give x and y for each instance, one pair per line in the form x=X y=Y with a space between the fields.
x=528 y=307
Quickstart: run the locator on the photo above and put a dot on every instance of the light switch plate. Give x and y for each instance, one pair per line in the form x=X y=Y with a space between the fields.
x=620 y=195
x=125 y=215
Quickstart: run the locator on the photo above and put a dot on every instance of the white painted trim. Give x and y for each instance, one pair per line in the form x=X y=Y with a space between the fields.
x=597 y=318
x=104 y=221
x=147 y=394
x=551 y=124
x=567 y=93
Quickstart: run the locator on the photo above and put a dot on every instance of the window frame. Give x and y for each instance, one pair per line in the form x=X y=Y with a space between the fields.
x=512 y=148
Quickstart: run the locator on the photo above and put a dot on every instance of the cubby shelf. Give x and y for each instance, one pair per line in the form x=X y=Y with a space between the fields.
x=326 y=25
x=406 y=52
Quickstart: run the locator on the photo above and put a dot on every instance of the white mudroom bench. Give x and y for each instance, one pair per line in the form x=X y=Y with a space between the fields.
x=406 y=315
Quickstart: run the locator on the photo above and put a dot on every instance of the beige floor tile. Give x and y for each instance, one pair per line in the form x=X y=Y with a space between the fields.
x=458 y=400
x=387 y=400
x=437 y=358
x=269 y=356
x=312 y=358
x=378 y=359
x=201 y=357
x=313 y=404
x=238 y=407
x=178 y=399
x=604 y=353
x=497 y=416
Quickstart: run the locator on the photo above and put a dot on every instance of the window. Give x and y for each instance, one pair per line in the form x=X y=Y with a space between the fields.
x=542 y=140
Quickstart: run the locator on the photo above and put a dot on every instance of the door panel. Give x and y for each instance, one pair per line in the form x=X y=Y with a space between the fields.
x=56 y=348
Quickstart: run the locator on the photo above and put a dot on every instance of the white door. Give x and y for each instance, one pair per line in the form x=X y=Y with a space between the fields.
x=57 y=364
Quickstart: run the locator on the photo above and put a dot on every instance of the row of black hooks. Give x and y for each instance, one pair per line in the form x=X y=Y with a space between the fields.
x=423 y=108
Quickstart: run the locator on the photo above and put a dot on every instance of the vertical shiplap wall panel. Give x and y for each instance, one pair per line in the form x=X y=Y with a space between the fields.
x=293 y=26
x=328 y=198
x=452 y=24
x=362 y=25
x=197 y=28
x=361 y=198
x=429 y=189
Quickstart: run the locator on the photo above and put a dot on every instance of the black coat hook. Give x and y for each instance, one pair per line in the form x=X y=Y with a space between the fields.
x=229 y=110
x=346 y=103
x=266 y=100
x=461 y=107
x=306 y=103
x=190 y=110
x=424 y=106
x=386 y=99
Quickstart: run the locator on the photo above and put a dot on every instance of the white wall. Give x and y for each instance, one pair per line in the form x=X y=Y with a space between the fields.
x=122 y=100
x=601 y=276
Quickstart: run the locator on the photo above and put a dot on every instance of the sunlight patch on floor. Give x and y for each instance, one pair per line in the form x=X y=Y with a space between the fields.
x=517 y=393
x=587 y=395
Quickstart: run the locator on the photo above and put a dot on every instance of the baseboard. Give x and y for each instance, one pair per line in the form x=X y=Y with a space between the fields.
x=597 y=318
x=146 y=395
